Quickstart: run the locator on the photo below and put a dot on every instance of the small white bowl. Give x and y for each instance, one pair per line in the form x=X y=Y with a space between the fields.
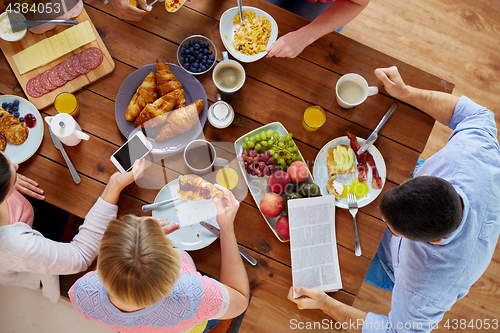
x=227 y=32
x=6 y=27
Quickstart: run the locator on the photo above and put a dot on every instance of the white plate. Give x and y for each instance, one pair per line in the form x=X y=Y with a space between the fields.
x=191 y=236
x=320 y=172
x=20 y=153
x=227 y=32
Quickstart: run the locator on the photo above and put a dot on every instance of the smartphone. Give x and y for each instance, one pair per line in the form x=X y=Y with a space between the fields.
x=134 y=149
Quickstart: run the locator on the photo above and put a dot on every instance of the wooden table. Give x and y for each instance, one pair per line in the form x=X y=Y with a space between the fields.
x=275 y=90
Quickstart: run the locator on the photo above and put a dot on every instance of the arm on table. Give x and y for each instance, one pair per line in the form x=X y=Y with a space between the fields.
x=315 y=298
x=337 y=15
x=125 y=11
x=438 y=105
x=28 y=186
x=42 y=255
x=233 y=273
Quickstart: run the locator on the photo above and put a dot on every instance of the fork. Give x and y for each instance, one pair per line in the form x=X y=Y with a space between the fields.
x=353 y=209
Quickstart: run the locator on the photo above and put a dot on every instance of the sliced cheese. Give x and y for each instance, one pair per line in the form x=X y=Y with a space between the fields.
x=54 y=47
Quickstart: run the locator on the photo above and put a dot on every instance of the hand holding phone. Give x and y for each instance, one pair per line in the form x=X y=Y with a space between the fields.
x=136 y=148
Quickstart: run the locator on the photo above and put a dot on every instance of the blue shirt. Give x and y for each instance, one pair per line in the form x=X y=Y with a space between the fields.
x=429 y=278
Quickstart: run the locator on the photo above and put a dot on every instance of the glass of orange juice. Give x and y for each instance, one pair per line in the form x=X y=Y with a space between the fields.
x=227 y=177
x=66 y=103
x=314 y=117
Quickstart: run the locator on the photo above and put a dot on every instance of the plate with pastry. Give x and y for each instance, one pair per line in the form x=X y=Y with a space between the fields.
x=194 y=205
x=165 y=102
x=21 y=128
x=338 y=170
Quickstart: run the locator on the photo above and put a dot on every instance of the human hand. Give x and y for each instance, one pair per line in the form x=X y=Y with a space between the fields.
x=314 y=298
x=392 y=81
x=125 y=11
x=227 y=207
x=287 y=46
x=167 y=227
x=29 y=187
x=120 y=180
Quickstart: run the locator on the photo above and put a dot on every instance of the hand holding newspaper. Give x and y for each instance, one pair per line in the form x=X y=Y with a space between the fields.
x=313 y=245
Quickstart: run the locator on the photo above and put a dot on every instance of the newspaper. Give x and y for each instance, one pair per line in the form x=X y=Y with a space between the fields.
x=313 y=245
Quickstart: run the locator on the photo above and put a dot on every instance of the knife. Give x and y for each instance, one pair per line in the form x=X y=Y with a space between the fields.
x=147 y=208
x=34 y=23
x=59 y=146
x=214 y=230
x=371 y=139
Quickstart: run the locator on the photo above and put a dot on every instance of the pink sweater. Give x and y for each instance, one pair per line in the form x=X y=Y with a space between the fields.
x=20 y=209
x=194 y=299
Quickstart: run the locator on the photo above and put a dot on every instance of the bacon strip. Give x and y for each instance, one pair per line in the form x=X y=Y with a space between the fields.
x=376 y=180
x=361 y=166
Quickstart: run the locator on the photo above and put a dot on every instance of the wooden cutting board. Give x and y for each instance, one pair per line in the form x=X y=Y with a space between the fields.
x=11 y=48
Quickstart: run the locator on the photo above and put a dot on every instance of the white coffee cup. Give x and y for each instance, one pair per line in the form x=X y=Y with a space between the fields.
x=352 y=90
x=200 y=157
x=229 y=75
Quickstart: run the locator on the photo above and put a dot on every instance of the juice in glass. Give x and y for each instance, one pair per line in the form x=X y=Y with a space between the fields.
x=314 y=117
x=227 y=177
x=67 y=103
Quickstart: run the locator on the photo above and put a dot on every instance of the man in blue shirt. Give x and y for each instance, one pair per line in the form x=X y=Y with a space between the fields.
x=443 y=224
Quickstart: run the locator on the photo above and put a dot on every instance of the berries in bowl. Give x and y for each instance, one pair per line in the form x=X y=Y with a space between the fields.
x=196 y=54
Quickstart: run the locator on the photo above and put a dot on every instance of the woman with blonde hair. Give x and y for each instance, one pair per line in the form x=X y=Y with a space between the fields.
x=144 y=284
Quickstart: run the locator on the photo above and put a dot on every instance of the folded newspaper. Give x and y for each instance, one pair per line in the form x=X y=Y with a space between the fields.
x=313 y=245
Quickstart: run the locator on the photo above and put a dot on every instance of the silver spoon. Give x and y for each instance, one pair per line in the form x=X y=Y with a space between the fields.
x=240 y=10
x=152 y=3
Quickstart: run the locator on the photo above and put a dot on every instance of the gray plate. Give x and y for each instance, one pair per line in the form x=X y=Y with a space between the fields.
x=193 y=91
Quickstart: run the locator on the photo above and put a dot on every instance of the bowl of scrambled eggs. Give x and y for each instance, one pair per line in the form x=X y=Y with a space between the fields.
x=247 y=41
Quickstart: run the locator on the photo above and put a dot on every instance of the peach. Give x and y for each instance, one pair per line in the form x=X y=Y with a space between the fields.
x=279 y=181
x=271 y=204
x=282 y=227
x=298 y=172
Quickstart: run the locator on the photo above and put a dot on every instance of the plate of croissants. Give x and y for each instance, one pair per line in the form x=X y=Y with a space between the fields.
x=165 y=102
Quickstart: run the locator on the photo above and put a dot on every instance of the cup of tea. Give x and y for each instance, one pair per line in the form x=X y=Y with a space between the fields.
x=352 y=90
x=200 y=157
x=228 y=75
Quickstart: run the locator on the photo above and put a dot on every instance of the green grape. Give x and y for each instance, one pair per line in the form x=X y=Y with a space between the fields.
x=247 y=139
x=252 y=138
x=295 y=157
x=245 y=146
x=281 y=144
x=276 y=135
x=272 y=152
x=250 y=144
x=276 y=156
x=281 y=160
x=258 y=146
x=281 y=139
x=257 y=137
x=270 y=142
x=283 y=165
x=263 y=143
x=289 y=136
x=269 y=133
x=263 y=135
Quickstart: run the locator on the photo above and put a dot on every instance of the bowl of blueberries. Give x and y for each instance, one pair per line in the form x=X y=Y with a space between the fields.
x=196 y=54
x=13 y=108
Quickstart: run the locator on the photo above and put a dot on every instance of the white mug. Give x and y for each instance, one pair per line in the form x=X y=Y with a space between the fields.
x=229 y=88
x=201 y=157
x=353 y=90
x=66 y=129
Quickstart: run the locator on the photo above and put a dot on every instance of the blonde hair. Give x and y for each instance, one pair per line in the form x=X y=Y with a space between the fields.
x=137 y=264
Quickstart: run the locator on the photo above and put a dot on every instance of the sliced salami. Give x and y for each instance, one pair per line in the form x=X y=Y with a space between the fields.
x=37 y=85
x=75 y=64
x=30 y=88
x=70 y=71
x=54 y=77
x=91 y=58
x=45 y=82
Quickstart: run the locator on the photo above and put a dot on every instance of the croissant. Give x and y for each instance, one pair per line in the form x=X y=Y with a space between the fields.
x=165 y=80
x=195 y=188
x=155 y=114
x=180 y=121
x=145 y=94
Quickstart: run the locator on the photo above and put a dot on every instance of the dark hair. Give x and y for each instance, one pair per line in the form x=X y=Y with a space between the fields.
x=5 y=176
x=423 y=209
